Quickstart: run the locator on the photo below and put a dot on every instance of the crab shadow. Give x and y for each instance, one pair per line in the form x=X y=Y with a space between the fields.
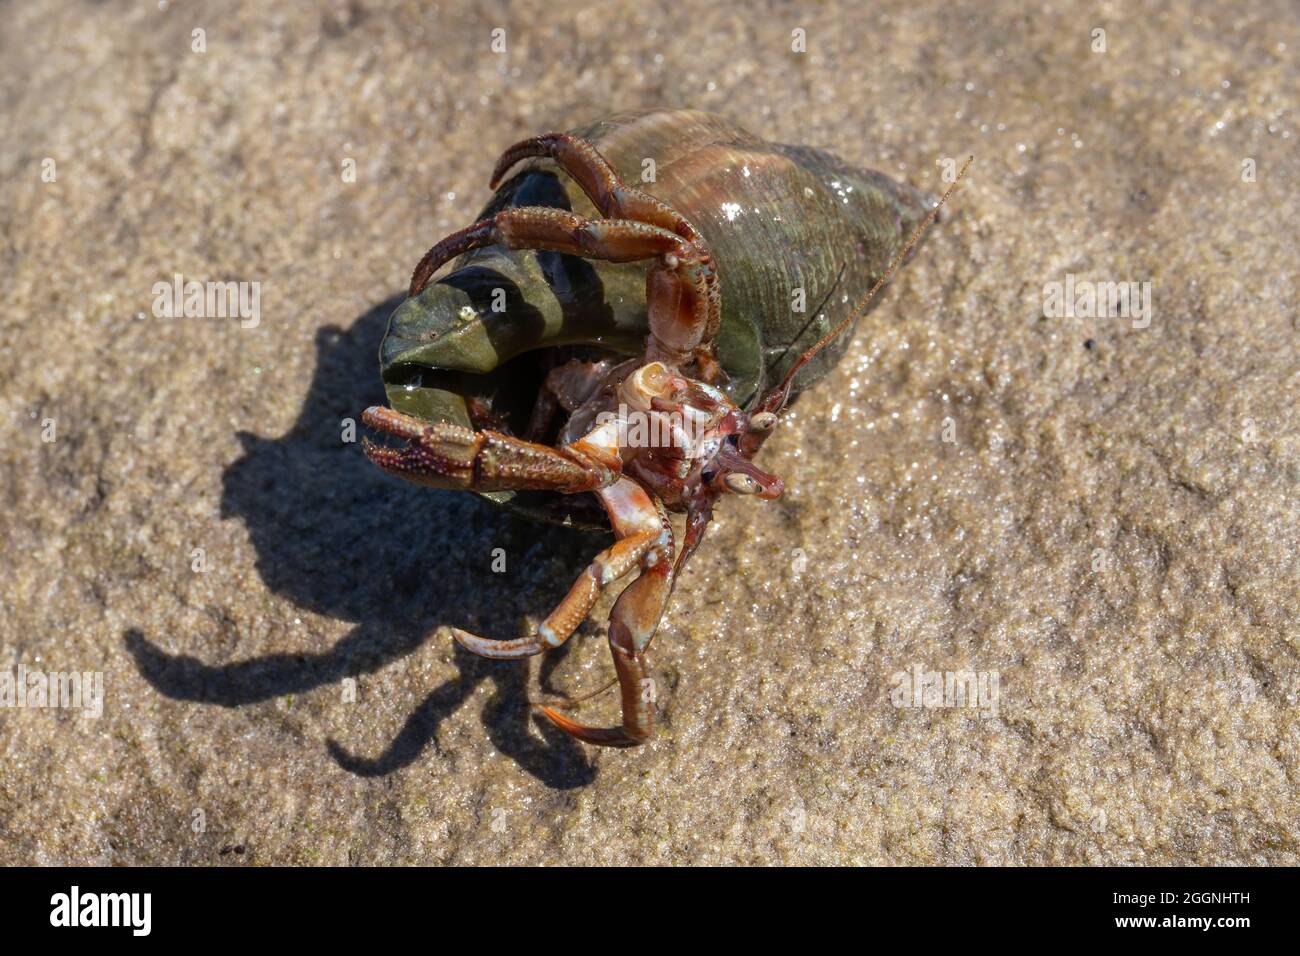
x=338 y=538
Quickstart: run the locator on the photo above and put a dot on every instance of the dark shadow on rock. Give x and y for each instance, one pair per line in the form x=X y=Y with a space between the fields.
x=337 y=537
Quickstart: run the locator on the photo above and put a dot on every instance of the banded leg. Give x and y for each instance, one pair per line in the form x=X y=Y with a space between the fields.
x=607 y=567
x=632 y=622
x=450 y=456
x=598 y=180
x=682 y=302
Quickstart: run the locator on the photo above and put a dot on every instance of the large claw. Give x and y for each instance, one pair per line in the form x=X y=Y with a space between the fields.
x=441 y=455
x=452 y=456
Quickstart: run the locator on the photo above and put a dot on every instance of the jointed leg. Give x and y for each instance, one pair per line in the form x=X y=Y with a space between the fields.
x=451 y=456
x=617 y=200
x=645 y=538
x=682 y=302
x=597 y=178
x=608 y=566
x=633 y=620
x=682 y=296
x=544 y=227
x=632 y=624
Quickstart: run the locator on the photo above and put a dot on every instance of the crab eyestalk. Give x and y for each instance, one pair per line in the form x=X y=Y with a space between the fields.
x=740 y=476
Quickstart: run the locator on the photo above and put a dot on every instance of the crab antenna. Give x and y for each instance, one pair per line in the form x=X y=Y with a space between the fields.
x=784 y=388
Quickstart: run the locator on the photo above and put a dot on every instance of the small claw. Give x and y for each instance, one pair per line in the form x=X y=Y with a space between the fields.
x=497 y=650
x=599 y=736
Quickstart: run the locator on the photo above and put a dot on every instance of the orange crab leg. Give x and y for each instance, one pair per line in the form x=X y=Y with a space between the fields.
x=607 y=567
x=632 y=624
x=645 y=538
x=633 y=621
x=638 y=714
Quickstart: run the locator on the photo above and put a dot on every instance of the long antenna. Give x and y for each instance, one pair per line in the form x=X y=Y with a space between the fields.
x=784 y=388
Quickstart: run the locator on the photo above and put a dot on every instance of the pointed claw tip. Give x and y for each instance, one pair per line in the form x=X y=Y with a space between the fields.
x=496 y=650
x=464 y=638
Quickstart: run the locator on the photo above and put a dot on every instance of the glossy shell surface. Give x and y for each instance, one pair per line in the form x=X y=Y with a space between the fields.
x=779 y=219
x=798 y=235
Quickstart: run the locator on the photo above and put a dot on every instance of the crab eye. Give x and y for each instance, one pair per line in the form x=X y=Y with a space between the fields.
x=762 y=422
x=742 y=484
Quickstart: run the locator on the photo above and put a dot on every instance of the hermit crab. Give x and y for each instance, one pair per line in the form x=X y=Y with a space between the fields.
x=600 y=346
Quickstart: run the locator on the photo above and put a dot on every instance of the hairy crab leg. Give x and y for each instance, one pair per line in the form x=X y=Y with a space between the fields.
x=452 y=456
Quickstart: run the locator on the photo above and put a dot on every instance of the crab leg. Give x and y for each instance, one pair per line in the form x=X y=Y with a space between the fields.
x=645 y=538
x=607 y=567
x=597 y=179
x=632 y=622
x=617 y=200
x=682 y=300
x=452 y=456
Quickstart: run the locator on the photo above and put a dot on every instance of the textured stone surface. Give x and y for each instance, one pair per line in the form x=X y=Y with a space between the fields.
x=1113 y=529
